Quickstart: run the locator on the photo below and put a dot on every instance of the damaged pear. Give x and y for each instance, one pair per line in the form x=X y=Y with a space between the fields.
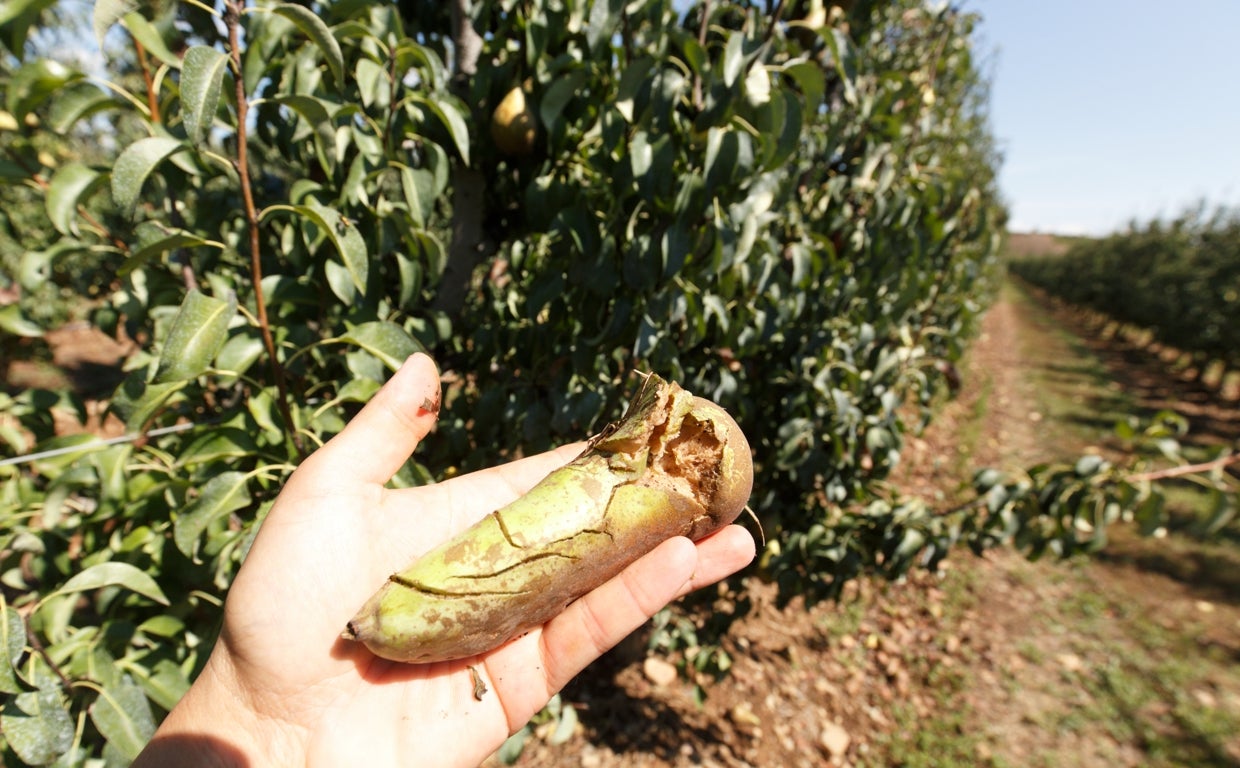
x=675 y=465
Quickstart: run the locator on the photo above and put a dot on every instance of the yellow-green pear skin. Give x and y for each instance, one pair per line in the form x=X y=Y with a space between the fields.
x=675 y=465
x=514 y=126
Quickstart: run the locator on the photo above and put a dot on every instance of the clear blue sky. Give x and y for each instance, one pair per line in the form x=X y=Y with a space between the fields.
x=1112 y=110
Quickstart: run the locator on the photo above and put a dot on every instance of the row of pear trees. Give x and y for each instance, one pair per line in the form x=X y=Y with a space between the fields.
x=787 y=207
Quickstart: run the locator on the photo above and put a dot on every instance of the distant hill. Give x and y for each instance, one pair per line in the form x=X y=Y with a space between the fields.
x=1024 y=244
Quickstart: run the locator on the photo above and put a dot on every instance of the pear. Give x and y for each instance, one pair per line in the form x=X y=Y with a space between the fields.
x=675 y=465
x=514 y=126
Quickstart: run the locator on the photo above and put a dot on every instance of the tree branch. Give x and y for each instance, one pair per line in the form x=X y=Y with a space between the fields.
x=1187 y=469
x=469 y=247
x=232 y=19
x=465 y=41
x=152 y=98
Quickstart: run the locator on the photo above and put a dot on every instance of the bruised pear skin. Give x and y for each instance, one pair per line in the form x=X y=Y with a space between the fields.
x=675 y=465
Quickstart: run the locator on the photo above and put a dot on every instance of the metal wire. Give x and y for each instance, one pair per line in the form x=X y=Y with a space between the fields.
x=95 y=445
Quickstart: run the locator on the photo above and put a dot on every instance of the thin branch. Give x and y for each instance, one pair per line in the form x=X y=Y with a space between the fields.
x=1187 y=469
x=775 y=16
x=152 y=98
x=232 y=19
x=38 y=647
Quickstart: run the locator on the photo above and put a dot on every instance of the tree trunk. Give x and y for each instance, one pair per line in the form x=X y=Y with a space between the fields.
x=469 y=247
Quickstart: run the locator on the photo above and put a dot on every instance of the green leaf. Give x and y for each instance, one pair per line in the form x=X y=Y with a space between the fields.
x=418 y=186
x=358 y=390
x=1223 y=511
x=1089 y=465
x=372 y=83
x=220 y=444
x=198 y=331
x=565 y=727
x=239 y=353
x=342 y=285
x=13 y=9
x=36 y=266
x=163 y=625
x=603 y=22
x=34 y=82
x=222 y=495
x=733 y=57
x=319 y=115
x=558 y=94
x=510 y=751
x=107 y=13
x=55 y=465
x=112 y=574
x=342 y=233
x=123 y=715
x=844 y=54
x=791 y=124
x=201 y=77
x=37 y=726
x=12 y=645
x=174 y=240
x=166 y=684
x=150 y=38
x=314 y=28
x=13 y=321
x=136 y=401
x=410 y=272
x=713 y=305
x=810 y=81
x=134 y=166
x=634 y=81
x=76 y=102
x=452 y=120
x=386 y=341
x=758 y=85
x=71 y=183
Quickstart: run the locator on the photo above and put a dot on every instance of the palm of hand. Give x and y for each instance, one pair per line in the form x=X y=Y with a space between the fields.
x=334 y=536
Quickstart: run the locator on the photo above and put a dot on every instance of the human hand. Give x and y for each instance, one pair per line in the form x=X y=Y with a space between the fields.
x=283 y=688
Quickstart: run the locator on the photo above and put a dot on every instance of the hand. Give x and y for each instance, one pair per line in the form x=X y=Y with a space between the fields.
x=283 y=688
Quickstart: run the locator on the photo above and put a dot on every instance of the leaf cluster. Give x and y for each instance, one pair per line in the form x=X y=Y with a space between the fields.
x=278 y=202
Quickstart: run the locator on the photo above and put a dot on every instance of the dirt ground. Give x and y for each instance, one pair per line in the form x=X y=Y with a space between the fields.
x=990 y=663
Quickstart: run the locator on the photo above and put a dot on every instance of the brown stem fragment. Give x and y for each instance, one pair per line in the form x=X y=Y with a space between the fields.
x=232 y=20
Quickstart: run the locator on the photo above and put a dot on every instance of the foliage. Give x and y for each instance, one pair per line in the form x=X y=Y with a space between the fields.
x=1178 y=278
x=279 y=202
x=1066 y=509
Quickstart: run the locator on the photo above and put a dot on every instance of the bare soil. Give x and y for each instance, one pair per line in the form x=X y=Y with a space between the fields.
x=83 y=358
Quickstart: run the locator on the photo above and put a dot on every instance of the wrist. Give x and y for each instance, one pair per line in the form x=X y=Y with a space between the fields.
x=213 y=727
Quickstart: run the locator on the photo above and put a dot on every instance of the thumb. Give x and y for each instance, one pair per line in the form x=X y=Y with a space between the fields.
x=380 y=438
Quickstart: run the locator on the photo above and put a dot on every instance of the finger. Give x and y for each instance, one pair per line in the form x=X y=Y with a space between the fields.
x=720 y=555
x=528 y=671
x=379 y=439
x=604 y=617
